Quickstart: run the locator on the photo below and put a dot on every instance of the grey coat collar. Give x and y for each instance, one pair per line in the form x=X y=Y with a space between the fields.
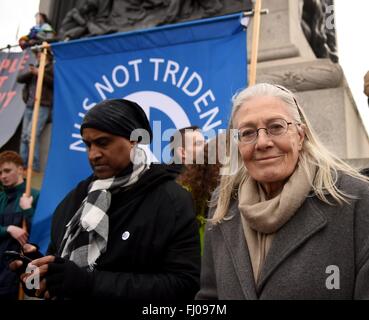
x=307 y=221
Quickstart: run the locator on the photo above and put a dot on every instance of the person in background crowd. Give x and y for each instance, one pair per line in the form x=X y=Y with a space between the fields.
x=188 y=145
x=42 y=31
x=127 y=232
x=201 y=180
x=293 y=222
x=29 y=79
x=366 y=85
x=14 y=208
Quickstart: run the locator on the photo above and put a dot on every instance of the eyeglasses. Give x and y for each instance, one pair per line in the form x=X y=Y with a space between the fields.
x=276 y=127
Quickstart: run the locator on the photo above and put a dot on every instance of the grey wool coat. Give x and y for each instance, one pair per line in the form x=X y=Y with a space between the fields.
x=322 y=252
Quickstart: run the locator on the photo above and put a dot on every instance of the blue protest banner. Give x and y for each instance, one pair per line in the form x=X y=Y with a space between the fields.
x=183 y=74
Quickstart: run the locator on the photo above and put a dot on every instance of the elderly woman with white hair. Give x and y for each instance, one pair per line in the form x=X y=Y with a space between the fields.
x=293 y=222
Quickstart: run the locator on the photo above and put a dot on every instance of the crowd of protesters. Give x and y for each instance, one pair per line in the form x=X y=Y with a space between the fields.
x=137 y=231
x=288 y=211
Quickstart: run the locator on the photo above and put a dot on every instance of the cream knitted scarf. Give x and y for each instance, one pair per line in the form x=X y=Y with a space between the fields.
x=262 y=217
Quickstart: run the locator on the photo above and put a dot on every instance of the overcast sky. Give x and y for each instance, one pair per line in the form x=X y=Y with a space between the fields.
x=16 y=18
x=352 y=25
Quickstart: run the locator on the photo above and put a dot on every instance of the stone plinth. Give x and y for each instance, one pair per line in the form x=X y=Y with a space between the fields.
x=286 y=58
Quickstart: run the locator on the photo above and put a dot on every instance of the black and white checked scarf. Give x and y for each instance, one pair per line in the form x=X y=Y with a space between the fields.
x=87 y=232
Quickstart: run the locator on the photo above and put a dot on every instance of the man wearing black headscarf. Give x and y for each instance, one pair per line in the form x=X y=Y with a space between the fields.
x=128 y=231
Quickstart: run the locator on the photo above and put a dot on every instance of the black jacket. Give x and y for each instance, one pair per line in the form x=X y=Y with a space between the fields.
x=47 y=85
x=160 y=261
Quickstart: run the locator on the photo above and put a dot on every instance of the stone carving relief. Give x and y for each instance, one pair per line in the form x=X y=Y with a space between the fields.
x=313 y=75
x=96 y=17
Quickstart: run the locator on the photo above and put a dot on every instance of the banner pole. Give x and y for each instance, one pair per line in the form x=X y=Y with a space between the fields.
x=36 y=109
x=20 y=291
x=255 y=42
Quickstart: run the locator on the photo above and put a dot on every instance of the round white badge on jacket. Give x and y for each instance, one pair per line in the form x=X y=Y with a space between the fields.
x=125 y=235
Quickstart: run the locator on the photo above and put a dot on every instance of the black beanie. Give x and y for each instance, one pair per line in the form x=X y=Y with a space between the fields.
x=117 y=116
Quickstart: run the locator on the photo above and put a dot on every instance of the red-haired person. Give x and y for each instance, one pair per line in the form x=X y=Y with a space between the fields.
x=14 y=207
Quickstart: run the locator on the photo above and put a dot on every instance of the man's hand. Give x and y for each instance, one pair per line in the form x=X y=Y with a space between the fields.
x=34 y=70
x=18 y=234
x=15 y=265
x=27 y=249
x=25 y=202
x=59 y=278
x=42 y=266
x=25 y=271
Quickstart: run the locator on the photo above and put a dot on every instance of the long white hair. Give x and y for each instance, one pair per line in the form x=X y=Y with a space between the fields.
x=313 y=152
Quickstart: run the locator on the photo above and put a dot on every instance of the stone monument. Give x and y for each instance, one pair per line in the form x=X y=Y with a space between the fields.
x=286 y=58
x=297 y=49
x=96 y=17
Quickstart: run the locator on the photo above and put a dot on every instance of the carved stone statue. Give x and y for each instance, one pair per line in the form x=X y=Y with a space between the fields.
x=184 y=9
x=318 y=28
x=94 y=17
x=91 y=18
